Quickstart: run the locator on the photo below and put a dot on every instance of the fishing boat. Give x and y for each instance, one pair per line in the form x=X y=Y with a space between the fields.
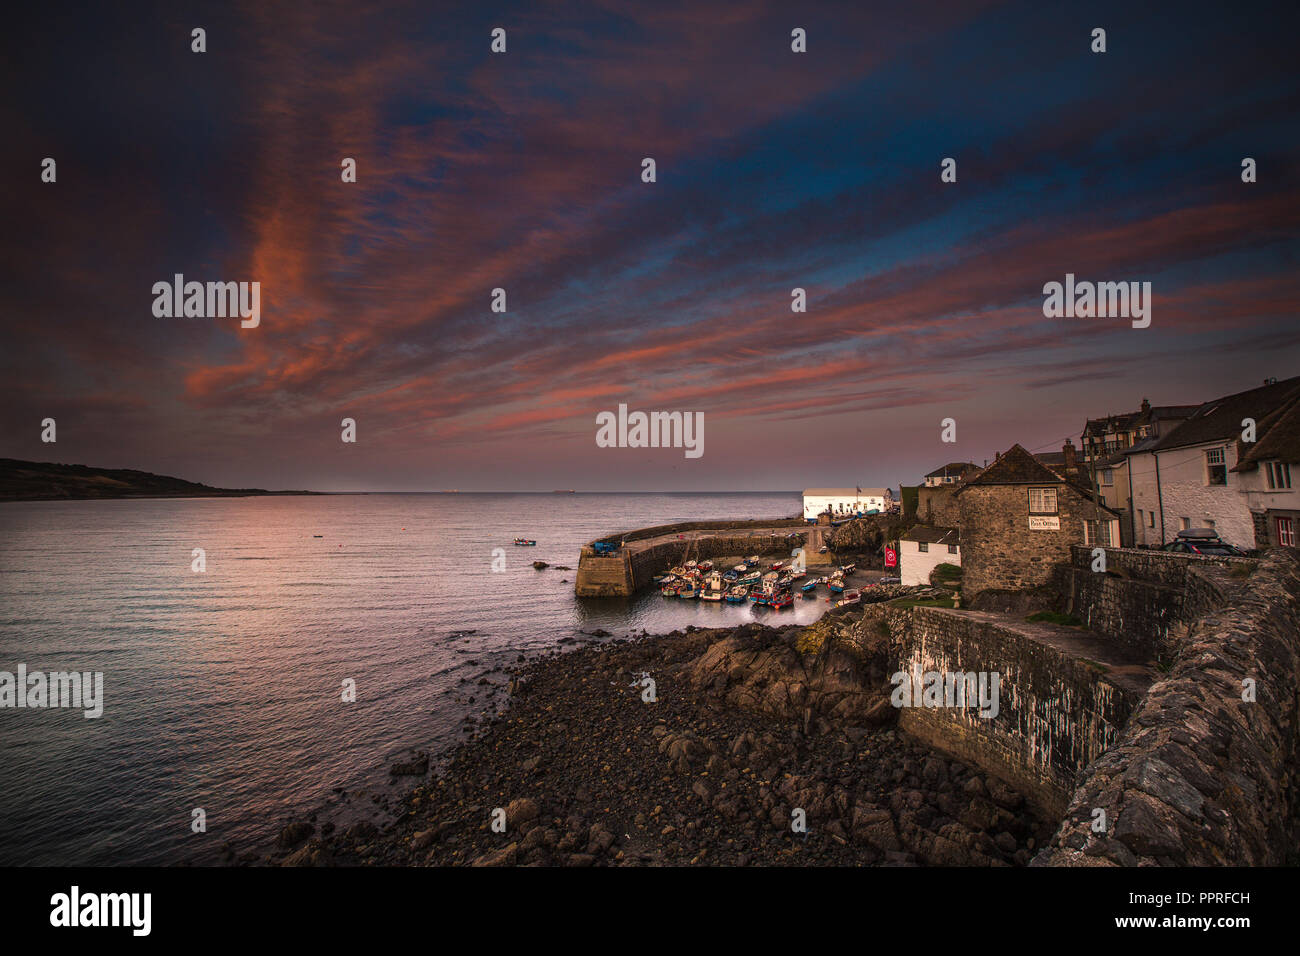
x=761 y=594
x=781 y=599
x=690 y=565
x=809 y=587
x=797 y=575
x=705 y=566
x=851 y=596
x=525 y=543
x=752 y=560
x=714 y=589
x=835 y=583
x=777 y=565
x=848 y=568
x=731 y=577
x=738 y=595
x=753 y=577
x=741 y=568
x=691 y=589
x=669 y=587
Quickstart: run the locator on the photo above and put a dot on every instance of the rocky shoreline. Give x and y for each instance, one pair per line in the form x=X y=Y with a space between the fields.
x=746 y=727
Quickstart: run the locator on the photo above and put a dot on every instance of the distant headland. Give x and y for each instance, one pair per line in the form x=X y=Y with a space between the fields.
x=49 y=481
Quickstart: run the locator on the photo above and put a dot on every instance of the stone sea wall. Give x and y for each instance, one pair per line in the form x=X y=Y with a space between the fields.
x=1143 y=598
x=653 y=560
x=623 y=574
x=1201 y=776
x=1056 y=711
x=680 y=527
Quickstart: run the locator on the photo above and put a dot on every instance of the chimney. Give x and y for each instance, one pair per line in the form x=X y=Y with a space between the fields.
x=1146 y=406
x=1067 y=450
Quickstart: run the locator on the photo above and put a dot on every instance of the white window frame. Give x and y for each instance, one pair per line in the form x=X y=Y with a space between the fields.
x=1216 y=458
x=1285 y=538
x=1043 y=509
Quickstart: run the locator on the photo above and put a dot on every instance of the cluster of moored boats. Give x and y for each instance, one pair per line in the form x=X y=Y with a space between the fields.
x=748 y=582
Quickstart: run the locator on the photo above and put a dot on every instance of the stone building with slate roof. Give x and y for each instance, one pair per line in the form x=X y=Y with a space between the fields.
x=1019 y=519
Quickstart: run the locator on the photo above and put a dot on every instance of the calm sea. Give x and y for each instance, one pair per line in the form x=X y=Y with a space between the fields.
x=222 y=689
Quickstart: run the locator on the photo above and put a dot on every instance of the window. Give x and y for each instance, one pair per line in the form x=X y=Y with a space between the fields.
x=923 y=547
x=1042 y=501
x=952 y=549
x=1285 y=532
x=1098 y=532
x=1278 y=475
x=1107 y=476
x=1151 y=519
x=1184 y=524
x=1216 y=468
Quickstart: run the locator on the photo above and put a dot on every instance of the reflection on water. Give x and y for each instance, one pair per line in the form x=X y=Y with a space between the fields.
x=222 y=689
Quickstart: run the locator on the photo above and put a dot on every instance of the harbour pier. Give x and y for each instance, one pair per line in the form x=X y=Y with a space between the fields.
x=625 y=562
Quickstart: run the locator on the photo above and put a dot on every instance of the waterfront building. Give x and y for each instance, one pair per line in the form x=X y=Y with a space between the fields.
x=1019 y=519
x=844 y=502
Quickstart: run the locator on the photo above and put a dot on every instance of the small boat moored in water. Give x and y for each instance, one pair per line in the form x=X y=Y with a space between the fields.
x=851 y=596
x=738 y=595
x=714 y=589
x=781 y=599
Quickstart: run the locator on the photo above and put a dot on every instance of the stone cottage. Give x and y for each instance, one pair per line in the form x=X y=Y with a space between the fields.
x=1019 y=519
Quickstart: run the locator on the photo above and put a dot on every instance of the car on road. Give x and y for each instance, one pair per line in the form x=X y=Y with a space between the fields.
x=1202 y=541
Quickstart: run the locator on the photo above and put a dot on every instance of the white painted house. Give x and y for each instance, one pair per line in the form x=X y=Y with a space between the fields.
x=923 y=548
x=1203 y=475
x=844 y=502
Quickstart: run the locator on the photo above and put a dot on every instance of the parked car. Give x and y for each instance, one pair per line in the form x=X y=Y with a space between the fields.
x=1202 y=541
x=890 y=579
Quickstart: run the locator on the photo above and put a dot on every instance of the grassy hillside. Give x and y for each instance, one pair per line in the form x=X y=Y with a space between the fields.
x=43 y=480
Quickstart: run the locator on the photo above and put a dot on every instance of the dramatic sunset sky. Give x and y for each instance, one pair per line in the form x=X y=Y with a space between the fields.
x=775 y=170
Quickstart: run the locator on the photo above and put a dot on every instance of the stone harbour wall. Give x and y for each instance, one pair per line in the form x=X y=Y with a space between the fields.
x=1144 y=598
x=1201 y=777
x=1056 y=710
x=660 y=557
